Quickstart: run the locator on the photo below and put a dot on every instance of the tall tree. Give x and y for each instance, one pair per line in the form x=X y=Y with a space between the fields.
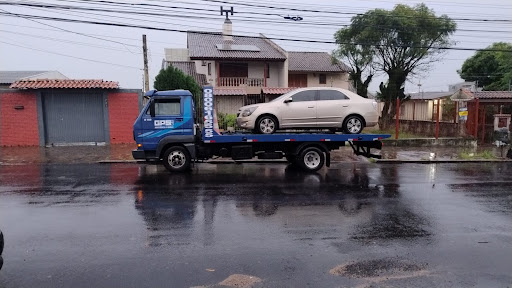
x=404 y=41
x=360 y=59
x=173 y=78
x=492 y=70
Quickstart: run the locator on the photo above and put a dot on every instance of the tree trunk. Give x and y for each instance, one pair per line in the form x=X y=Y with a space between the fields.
x=388 y=114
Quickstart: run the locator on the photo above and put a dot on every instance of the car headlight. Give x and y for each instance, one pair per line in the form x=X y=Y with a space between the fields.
x=248 y=111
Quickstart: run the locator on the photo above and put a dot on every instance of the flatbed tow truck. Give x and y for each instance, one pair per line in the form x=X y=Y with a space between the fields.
x=166 y=132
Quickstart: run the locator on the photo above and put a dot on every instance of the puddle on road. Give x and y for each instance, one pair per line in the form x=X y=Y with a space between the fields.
x=381 y=270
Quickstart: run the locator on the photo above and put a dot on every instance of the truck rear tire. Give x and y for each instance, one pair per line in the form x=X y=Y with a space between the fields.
x=311 y=159
x=177 y=159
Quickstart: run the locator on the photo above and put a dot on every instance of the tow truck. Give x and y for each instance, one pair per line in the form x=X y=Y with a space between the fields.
x=166 y=132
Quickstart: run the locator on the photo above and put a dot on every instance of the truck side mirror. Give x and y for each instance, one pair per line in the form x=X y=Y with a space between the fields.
x=288 y=100
x=152 y=108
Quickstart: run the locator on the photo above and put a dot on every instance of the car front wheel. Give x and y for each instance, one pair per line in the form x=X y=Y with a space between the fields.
x=353 y=125
x=266 y=125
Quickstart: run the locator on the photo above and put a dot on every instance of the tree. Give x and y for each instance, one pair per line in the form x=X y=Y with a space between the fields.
x=403 y=41
x=492 y=70
x=172 y=78
x=360 y=59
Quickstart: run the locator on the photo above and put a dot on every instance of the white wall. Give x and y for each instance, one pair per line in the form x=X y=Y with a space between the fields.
x=200 y=69
x=339 y=80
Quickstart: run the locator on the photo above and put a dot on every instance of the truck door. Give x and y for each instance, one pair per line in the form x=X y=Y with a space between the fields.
x=167 y=120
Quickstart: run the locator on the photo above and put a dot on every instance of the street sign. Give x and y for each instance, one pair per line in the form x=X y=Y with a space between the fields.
x=463 y=113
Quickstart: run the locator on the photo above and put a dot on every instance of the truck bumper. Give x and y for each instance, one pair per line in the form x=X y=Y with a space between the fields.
x=138 y=154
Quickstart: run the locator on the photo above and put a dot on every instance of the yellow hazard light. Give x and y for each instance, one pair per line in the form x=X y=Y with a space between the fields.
x=139 y=145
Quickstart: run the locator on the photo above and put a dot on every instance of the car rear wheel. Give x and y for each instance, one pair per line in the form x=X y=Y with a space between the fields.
x=266 y=125
x=353 y=125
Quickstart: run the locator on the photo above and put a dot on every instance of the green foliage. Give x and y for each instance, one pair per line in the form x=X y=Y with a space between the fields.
x=226 y=120
x=400 y=42
x=172 y=78
x=485 y=154
x=492 y=69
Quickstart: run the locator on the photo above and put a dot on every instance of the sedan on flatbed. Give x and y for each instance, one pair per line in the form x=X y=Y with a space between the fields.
x=311 y=108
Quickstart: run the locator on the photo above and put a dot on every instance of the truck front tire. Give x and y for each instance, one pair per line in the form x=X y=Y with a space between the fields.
x=311 y=159
x=177 y=159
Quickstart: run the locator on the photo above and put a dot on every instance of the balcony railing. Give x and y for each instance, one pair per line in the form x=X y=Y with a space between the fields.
x=241 y=81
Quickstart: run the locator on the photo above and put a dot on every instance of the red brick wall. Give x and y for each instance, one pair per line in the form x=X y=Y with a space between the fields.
x=123 y=109
x=18 y=127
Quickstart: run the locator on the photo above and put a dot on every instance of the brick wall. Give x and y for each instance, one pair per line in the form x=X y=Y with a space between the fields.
x=18 y=127
x=123 y=109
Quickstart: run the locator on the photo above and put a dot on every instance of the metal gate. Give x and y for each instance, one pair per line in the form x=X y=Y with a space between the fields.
x=73 y=116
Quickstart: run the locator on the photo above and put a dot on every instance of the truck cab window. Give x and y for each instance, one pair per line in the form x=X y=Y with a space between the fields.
x=166 y=107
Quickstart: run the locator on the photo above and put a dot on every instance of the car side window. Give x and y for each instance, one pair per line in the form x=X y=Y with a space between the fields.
x=166 y=107
x=331 y=95
x=308 y=95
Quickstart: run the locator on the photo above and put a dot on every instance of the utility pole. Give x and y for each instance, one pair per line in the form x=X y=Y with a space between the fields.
x=146 y=72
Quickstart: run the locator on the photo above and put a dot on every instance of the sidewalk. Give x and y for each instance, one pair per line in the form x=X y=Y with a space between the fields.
x=122 y=153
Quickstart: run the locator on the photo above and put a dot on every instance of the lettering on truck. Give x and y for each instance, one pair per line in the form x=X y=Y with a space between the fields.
x=208 y=111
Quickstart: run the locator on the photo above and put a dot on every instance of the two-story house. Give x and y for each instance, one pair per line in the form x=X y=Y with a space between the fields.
x=245 y=69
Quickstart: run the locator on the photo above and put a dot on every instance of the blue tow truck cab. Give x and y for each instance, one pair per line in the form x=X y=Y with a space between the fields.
x=166 y=131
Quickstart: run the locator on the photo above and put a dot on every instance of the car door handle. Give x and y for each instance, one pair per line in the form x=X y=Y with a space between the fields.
x=345 y=105
x=179 y=119
x=311 y=106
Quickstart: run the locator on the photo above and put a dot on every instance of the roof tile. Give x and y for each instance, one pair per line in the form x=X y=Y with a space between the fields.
x=202 y=45
x=65 y=83
x=229 y=91
x=493 y=94
x=314 y=62
x=277 y=90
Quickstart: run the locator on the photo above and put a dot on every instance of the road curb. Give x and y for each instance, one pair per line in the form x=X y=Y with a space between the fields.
x=398 y=161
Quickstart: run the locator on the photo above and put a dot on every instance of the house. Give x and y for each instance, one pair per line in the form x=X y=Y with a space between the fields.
x=46 y=112
x=487 y=111
x=9 y=77
x=245 y=70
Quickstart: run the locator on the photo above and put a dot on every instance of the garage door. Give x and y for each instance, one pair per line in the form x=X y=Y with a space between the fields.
x=73 y=116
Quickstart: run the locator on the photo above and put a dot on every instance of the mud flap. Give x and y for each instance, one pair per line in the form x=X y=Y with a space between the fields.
x=363 y=148
x=327 y=159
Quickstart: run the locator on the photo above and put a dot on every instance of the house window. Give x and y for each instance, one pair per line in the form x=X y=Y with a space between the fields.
x=209 y=68
x=267 y=70
x=322 y=78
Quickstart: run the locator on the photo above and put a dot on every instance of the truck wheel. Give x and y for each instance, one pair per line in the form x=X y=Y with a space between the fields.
x=266 y=124
x=311 y=159
x=177 y=159
x=353 y=125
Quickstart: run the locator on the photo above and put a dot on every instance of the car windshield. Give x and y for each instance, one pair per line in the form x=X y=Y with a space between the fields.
x=284 y=96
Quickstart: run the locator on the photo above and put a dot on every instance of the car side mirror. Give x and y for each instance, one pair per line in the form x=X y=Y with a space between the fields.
x=152 y=108
x=288 y=100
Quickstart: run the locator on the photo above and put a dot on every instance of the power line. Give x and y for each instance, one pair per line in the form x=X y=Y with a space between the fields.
x=70 y=56
x=241 y=36
x=245 y=19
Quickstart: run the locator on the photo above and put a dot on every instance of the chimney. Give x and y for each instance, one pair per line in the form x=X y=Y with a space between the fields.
x=227 y=31
x=227 y=28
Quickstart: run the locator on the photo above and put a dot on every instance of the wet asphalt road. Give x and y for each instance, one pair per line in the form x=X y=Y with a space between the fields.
x=353 y=225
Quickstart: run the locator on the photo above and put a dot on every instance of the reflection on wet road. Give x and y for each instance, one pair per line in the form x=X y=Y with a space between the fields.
x=253 y=225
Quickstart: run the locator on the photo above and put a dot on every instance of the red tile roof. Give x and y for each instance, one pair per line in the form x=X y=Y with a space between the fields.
x=493 y=94
x=65 y=83
x=277 y=90
x=229 y=91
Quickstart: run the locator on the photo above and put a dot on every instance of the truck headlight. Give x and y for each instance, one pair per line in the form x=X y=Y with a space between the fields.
x=248 y=111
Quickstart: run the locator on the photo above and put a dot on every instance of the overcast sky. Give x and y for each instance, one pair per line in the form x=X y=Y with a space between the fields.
x=89 y=51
